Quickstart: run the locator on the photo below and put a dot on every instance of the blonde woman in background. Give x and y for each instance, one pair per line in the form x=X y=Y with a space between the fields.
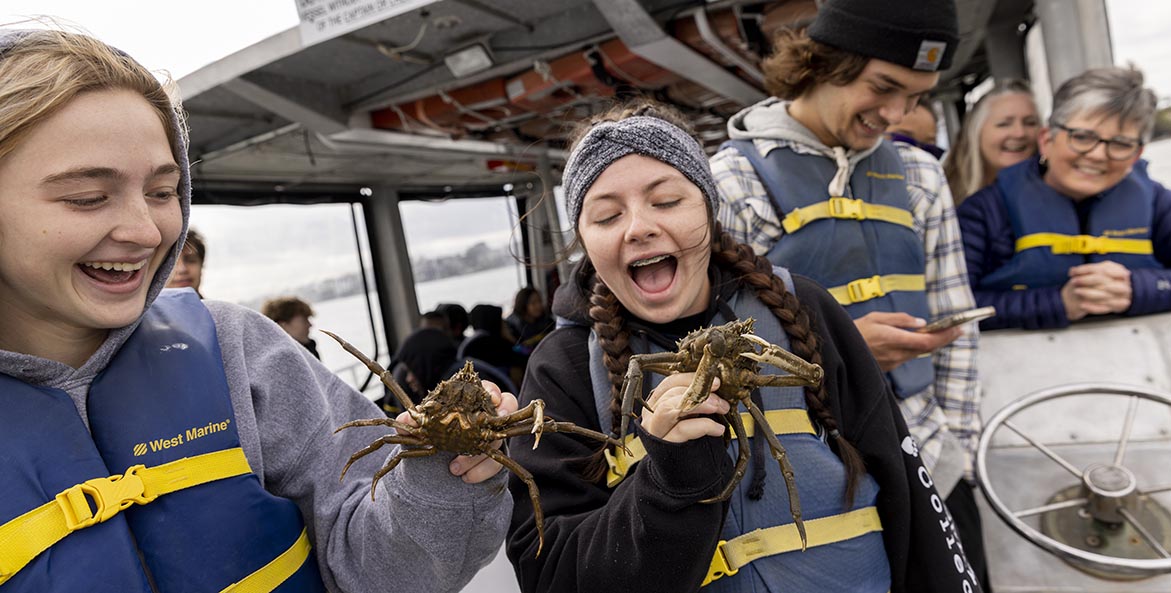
x=999 y=131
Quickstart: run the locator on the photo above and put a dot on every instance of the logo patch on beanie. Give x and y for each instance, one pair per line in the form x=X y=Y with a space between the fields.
x=930 y=55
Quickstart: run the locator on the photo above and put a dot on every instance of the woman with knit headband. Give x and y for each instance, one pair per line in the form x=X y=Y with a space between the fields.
x=641 y=197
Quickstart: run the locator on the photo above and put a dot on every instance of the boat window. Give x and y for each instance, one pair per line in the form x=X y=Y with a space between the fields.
x=464 y=251
x=318 y=253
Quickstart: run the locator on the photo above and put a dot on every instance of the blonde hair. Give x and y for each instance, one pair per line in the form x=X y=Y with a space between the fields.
x=964 y=165
x=42 y=71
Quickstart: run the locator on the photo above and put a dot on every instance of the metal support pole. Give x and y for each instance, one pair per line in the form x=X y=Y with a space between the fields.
x=1076 y=36
x=399 y=305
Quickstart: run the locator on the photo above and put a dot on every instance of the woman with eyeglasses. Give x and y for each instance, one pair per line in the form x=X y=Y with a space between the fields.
x=1081 y=230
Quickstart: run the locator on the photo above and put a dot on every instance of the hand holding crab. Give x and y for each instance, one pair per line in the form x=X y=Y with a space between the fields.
x=460 y=416
x=725 y=361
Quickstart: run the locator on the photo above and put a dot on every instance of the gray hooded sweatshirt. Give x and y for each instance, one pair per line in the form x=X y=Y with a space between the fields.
x=426 y=531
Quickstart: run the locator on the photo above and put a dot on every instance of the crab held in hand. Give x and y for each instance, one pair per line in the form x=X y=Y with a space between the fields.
x=734 y=354
x=458 y=416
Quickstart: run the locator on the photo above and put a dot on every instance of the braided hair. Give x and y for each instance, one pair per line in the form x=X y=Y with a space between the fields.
x=753 y=271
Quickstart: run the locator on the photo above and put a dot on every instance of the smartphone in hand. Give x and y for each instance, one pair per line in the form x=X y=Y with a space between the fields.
x=958 y=319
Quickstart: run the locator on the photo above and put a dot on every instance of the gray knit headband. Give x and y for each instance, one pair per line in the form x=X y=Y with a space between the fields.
x=644 y=135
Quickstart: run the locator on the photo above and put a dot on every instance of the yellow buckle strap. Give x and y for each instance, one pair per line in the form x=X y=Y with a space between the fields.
x=734 y=554
x=271 y=575
x=110 y=495
x=846 y=208
x=873 y=287
x=25 y=537
x=720 y=567
x=1084 y=244
x=620 y=462
x=787 y=421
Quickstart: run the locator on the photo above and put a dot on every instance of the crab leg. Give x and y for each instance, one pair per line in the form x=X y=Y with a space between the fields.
x=551 y=425
x=383 y=375
x=737 y=424
x=390 y=439
x=394 y=461
x=661 y=362
x=535 y=410
x=701 y=385
x=399 y=426
x=534 y=494
x=780 y=381
x=778 y=452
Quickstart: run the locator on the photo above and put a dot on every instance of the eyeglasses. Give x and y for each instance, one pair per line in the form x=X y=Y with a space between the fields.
x=1118 y=148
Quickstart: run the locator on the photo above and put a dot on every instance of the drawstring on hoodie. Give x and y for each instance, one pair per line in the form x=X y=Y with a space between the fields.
x=837 y=185
x=770 y=120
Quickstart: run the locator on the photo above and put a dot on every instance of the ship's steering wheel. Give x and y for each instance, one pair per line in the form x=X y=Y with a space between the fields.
x=1106 y=524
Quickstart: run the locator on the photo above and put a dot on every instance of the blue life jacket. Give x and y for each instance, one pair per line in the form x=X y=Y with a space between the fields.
x=856 y=565
x=850 y=248
x=163 y=399
x=1048 y=235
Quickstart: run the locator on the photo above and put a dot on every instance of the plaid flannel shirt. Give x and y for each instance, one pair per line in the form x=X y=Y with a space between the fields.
x=952 y=402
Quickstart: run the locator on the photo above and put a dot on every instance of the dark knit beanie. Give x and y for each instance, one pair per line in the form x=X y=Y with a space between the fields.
x=917 y=34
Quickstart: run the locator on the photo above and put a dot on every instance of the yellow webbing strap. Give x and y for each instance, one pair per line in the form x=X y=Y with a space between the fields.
x=271 y=575
x=864 y=289
x=732 y=555
x=26 y=536
x=846 y=208
x=1084 y=244
x=790 y=421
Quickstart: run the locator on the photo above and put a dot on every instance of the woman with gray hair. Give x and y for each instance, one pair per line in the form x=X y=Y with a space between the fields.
x=1081 y=230
x=999 y=131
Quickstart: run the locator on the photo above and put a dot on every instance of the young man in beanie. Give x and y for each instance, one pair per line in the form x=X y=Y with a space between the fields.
x=808 y=180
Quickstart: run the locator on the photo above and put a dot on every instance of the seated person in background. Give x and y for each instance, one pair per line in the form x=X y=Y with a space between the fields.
x=491 y=342
x=292 y=314
x=918 y=128
x=999 y=131
x=1082 y=230
x=435 y=320
x=457 y=320
x=189 y=267
x=529 y=321
x=422 y=361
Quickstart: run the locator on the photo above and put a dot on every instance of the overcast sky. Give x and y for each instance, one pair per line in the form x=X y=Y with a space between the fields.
x=181 y=36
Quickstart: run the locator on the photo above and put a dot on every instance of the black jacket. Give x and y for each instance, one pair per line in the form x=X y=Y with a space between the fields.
x=649 y=533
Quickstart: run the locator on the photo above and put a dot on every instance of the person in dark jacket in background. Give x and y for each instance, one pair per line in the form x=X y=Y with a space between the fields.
x=1082 y=230
x=529 y=321
x=491 y=342
x=457 y=320
x=641 y=197
x=422 y=361
x=292 y=314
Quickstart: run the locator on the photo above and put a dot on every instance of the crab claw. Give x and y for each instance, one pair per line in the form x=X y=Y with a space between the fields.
x=538 y=421
x=783 y=359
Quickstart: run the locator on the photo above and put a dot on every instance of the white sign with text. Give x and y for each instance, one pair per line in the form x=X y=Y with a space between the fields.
x=326 y=19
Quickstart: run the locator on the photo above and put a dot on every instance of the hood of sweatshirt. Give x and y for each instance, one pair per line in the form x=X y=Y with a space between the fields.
x=50 y=373
x=770 y=120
